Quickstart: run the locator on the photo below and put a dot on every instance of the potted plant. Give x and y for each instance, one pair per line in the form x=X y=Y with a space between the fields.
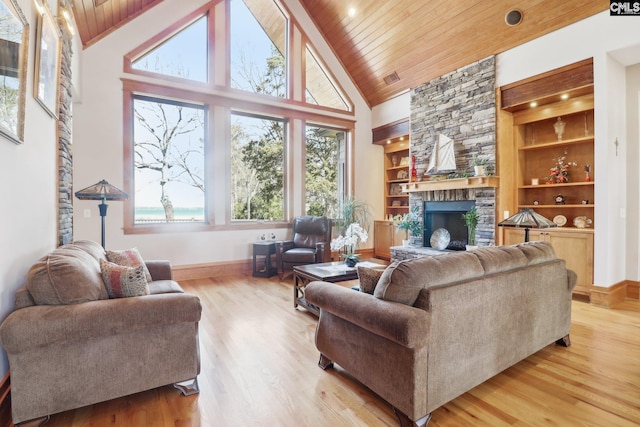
x=355 y=211
x=410 y=223
x=349 y=243
x=471 y=218
x=479 y=165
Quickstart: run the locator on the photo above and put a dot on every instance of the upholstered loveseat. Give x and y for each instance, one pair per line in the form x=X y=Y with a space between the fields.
x=69 y=345
x=438 y=326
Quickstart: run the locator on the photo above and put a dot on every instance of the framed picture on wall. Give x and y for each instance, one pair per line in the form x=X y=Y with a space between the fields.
x=14 y=38
x=45 y=86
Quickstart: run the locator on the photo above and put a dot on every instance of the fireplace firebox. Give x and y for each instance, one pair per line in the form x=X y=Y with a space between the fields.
x=447 y=215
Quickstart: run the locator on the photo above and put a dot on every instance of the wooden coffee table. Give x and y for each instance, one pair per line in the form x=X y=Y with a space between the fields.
x=336 y=271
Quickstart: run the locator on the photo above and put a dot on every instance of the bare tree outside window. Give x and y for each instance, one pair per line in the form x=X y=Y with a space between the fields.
x=169 y=161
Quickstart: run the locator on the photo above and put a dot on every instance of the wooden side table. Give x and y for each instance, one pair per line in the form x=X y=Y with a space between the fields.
x=263 y=265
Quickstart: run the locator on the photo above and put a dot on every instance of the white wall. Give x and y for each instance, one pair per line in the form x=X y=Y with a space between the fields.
x=633 y=174
x=98 y=151
x=393 y=110
x=29 y=192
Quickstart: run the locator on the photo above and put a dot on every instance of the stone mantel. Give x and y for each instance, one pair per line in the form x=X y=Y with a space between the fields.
x=452 y=184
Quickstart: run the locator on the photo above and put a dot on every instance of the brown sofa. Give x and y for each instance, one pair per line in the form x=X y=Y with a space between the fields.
x=438 y=326
x=69 y=345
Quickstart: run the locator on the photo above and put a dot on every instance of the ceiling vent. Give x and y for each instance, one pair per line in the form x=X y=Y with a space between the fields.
x=513 y=17
x=391 y=78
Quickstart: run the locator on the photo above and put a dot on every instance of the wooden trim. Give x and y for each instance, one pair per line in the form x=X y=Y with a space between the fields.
x=211 y=270
x=5 y=401
x=579 y=74
x=633 y=289
x=241 y=101
x=452 y=184
x=608 y=297
x=226 y=268
x=381 y=134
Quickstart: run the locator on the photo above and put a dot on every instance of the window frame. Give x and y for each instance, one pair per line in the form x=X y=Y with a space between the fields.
x=220 y=100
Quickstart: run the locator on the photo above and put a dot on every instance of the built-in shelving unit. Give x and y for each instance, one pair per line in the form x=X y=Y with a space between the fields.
x=396 y=166
x=532 y=140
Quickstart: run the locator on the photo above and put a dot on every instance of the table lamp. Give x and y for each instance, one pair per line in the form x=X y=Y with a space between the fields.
x=527 y=218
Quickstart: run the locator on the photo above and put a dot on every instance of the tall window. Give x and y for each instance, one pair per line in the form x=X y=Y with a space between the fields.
x=258 y=47
x=257 y=167
x=324 y=177
x=183 y=55
x=320 y=89
x=180 y=169
x=169 y=140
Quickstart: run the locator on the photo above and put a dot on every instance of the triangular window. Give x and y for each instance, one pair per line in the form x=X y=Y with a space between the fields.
x=184 y=55
x=258 y=47
x=320 y=89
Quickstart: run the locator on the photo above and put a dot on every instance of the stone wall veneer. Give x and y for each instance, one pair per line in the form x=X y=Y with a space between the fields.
x=462 y=106
x=65 y=152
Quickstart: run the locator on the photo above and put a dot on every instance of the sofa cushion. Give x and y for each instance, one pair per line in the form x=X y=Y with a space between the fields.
x=368 y=277
x=403 y=280
x=122 y=281
x=92 y=248
x=129 y=258
x=67 y=275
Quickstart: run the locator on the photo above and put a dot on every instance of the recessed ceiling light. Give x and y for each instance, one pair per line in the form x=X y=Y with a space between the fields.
x=388 y=141
x=533 y=104
x=513 y=17
x=564 y=96
x=402 y=138
x=351 y=12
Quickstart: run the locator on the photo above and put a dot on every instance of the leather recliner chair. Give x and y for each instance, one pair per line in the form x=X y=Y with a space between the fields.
x=310 y=244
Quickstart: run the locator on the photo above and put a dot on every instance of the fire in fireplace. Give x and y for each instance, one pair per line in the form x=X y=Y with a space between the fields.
x=448 y=215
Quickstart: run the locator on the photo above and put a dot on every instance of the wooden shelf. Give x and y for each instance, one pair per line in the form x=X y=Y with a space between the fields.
x=567 y=184
x=452 y=184
x=574 y=206
x=586 y=139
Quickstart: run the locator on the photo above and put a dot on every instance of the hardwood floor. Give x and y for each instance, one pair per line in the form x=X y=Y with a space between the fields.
x=259 y=367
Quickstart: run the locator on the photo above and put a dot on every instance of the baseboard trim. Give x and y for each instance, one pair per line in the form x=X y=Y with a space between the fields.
x=214 y=269
x=5 y=401
x=217 y=269
x=608 y=297
x=633 y=290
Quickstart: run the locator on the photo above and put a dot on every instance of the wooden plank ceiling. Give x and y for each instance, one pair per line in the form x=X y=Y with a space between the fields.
x=417 y=39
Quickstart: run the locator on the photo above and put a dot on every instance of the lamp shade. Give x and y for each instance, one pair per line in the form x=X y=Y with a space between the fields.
x=101 y=191
x=527 y=218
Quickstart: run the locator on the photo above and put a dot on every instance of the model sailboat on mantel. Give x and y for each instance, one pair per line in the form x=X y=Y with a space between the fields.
x=443 y=157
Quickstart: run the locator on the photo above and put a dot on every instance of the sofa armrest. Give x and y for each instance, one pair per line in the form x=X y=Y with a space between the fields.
x=44 y=325
x=160 y=269
x=403 y=324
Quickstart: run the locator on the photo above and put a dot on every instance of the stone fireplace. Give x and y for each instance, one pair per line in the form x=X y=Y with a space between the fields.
x=462 y=106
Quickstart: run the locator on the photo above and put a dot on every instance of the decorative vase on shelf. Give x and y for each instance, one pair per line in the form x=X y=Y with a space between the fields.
x=394 y=160
x=558 y=126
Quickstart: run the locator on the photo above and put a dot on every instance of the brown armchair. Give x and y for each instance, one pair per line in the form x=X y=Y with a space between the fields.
x=310 y=244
